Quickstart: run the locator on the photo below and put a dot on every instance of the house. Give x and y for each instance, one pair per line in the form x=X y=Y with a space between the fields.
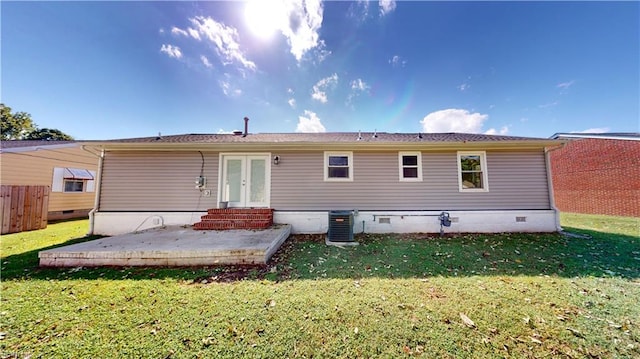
x=390 y=182
x=64 y=166
x=597 y=173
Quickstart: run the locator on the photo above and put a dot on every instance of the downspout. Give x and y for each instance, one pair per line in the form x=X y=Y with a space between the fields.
x=98 y=180
x=552 y=200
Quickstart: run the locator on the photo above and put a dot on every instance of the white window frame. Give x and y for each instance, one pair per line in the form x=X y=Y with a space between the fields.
x=483 y=169
x=349 y=156
x=401 y=167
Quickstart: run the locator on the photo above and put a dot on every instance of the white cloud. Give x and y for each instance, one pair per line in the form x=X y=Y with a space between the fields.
x=225 y=40
x=321 y=51
x=172 y=51
x=359 y=10
x=194 y=33
x=310 y=123
x=386 y=6
x=453 y=120
x=565 y=85
x=228 y=89
x=205 y=61
x=304 y=19
x=299 y=22
x=319 y=89
x=464 y=87
x=550 y=104
x=292 y=102
x=176 y=31
x=594 y=130
x=397 y=61
x=360 y=85
x=492 y=131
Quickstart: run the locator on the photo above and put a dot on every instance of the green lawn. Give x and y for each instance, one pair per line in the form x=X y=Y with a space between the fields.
x=528 y=295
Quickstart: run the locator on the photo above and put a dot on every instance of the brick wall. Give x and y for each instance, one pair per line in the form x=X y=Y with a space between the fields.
x=597 y=176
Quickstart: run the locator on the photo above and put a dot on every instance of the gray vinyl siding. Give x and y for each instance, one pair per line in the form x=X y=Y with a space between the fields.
x=157 y=181
x=164 y=181
x=517 y=180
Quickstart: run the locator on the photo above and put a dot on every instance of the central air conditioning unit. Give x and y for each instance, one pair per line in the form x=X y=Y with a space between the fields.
x=340 y=226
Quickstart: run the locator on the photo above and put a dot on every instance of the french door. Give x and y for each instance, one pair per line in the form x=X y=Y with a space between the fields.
x=246 y=180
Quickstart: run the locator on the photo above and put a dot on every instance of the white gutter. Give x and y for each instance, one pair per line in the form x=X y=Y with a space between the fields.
x=552 y=201
x=37 y=148
x=98 y=180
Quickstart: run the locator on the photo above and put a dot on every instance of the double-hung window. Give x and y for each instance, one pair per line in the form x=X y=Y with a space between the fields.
x=472 y=171
x=410 y=166
x=338 y=166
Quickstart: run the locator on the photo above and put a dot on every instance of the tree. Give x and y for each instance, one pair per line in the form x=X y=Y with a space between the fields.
x=49 y=134
x=20 y=126
x=15 y=126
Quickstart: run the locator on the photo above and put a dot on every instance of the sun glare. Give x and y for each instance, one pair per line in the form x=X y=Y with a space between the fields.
x=262 y=17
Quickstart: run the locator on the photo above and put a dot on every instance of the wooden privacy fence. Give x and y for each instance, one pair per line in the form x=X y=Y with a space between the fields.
x=23 y=208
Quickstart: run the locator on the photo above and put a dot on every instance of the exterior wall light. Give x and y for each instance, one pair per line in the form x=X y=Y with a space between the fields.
x=276 y=160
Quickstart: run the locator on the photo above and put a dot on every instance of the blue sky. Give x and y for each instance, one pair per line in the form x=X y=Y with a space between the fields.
x=102 y=70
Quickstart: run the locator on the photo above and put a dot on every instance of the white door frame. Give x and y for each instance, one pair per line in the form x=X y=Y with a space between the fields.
x=246 y=157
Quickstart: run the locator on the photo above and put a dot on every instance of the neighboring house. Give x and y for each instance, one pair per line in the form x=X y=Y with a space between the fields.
x=391 y=182
x=64 y=166
x=597 y=173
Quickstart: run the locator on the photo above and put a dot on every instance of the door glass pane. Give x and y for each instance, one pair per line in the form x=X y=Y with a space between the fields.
x=233 y=181
x=257 y=189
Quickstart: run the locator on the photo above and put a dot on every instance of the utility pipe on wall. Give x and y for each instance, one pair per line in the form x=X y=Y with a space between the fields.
x=552 y=201
x=96 y=201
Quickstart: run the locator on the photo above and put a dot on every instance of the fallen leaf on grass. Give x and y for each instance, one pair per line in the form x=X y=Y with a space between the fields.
x=537 y=341
x=576 y=333
x=468 y=322
x=208 y=341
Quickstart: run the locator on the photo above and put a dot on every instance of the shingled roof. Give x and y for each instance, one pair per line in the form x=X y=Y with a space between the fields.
x=32 y=143
x=328 y=137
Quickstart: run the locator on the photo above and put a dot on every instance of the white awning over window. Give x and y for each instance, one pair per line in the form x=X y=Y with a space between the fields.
x=78 y=174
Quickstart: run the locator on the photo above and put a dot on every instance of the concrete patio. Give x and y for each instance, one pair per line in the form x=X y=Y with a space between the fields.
x=171 y=246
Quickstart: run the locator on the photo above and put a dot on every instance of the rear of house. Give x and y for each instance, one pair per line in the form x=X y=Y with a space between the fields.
x=389 y=182
x=63 y=166
x=598 y=173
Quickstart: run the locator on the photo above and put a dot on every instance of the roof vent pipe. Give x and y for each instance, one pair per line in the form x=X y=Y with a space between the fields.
x=246 y=127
